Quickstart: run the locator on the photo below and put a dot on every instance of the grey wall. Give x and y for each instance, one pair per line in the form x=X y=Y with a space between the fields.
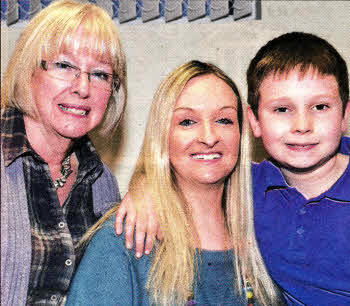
x=153 y=50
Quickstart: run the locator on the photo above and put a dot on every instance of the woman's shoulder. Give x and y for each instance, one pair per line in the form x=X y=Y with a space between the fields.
x=108 y=243
x=105 y=238
x=108 y=247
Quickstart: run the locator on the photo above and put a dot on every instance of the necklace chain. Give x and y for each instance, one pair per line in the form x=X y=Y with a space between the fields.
x=66 y=170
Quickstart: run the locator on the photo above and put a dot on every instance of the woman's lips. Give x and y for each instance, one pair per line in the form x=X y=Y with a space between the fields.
x=206 y=156
x=74 y=110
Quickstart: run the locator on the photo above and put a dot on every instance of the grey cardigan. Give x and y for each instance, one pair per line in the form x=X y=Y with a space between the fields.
x=15 y=227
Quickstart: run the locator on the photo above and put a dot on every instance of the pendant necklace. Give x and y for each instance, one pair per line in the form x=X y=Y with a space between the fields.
x=65 y=171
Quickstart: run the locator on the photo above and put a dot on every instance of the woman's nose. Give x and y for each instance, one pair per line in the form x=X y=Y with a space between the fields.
x=81 y=85
x=208 y=135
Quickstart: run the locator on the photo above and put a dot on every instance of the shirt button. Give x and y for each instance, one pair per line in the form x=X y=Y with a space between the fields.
x=68 y=262
x=300 y=230
x=61 y=225
x=53 y=298
x=302 y=211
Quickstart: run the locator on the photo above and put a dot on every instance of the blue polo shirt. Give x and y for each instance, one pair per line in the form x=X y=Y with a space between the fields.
x=305 y=243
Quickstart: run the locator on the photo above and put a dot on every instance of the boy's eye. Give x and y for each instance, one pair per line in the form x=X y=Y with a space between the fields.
x=186 y=122
x=321 y=107
x=101 y=75
x=281 y=109
x=225 y=121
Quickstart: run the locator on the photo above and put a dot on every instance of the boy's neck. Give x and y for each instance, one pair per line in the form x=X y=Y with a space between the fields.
x=313 y=183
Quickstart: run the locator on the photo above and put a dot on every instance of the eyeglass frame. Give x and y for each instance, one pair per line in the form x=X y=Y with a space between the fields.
x=115 y=82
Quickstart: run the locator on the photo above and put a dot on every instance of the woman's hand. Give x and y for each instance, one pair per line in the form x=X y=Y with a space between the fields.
x=147 y=227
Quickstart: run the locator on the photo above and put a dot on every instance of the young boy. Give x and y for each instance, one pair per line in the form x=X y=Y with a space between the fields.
x=298 y=92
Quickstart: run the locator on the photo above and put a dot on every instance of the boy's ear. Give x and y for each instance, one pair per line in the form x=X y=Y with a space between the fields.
x=345 y=122
x=254 y=123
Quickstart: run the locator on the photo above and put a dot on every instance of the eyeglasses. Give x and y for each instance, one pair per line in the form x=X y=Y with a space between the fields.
x=66 y=71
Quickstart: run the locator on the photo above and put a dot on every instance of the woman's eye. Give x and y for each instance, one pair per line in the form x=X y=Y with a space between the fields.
x=321 y=107
x=281 y=110
x=225 y=121
x=101 y=75
x=186 y=122
x=63 y=66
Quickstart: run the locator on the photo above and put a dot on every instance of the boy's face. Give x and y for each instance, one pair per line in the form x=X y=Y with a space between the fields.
x=300 y=119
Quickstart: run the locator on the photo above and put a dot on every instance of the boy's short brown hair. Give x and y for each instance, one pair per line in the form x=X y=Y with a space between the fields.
x=296 y=49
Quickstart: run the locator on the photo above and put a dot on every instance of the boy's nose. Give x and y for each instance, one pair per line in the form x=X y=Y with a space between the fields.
x=208 y=135
x=302 y=123
x=81 y=85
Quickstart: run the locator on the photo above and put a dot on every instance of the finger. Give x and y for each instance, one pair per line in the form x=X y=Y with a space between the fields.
x=140 y=237
x=126 y=207
x=129 y=230
x=151 y=235
x=119 y=217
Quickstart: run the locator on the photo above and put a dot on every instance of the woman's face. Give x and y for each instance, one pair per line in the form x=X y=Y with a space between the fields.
x=71 y=108
x=204 y=133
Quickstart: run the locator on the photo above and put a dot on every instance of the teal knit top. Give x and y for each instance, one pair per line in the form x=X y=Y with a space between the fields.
x=109 y=274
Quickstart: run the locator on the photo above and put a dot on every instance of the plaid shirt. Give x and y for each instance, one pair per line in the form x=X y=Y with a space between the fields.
x=55 y=229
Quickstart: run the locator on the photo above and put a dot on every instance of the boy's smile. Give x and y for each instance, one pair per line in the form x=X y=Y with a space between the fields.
x=300 y=119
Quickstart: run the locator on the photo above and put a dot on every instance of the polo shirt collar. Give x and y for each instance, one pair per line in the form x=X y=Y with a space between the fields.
x=338 y=192
x=273 y=178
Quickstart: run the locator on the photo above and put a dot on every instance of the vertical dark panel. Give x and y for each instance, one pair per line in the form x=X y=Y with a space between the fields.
x=258 y=9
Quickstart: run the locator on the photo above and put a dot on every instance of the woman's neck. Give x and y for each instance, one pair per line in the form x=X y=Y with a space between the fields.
x=205 y=205
x=51 y=147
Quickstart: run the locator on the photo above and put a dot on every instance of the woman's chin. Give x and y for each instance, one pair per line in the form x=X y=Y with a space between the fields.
x=73 y=133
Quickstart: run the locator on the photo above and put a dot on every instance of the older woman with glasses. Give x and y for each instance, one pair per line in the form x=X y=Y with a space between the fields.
x=66 y=77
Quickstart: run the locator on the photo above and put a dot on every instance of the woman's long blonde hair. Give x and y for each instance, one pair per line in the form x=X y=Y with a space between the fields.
x=52 y=31
x=172 y=274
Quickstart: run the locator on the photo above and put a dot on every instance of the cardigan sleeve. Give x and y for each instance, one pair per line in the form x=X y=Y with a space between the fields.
x=105 y=192
x=15 y=235
x=108 y=273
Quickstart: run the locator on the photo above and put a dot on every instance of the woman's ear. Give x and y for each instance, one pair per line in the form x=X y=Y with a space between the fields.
x=254 y=123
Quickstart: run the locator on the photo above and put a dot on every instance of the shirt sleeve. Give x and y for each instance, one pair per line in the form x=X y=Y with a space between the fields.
x=103 y=276
x=345 y=145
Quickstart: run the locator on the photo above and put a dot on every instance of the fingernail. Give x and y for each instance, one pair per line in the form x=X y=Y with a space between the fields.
x=138 y=254
x=147 y=252
x=128 y=246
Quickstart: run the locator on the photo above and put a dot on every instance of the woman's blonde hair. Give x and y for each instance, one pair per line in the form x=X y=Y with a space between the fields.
x=172 y=274
x=52 y=31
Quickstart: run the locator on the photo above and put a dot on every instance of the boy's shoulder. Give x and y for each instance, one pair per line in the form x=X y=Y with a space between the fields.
x=344 y=147
x=267 y=173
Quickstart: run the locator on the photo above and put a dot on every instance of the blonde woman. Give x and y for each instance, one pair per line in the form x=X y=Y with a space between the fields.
x=195 y=159
x=65 y=78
